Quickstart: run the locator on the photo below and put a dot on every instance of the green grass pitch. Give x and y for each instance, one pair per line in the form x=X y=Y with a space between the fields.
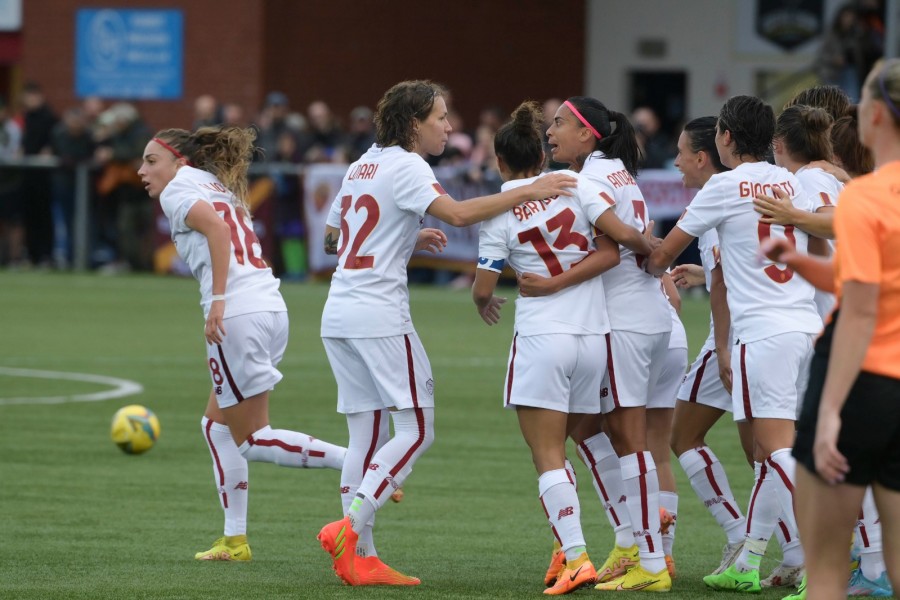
x=82 y=520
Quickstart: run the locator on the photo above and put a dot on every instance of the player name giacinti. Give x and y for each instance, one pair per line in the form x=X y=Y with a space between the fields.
x=363 y=171
x=529 y=208
x=751 y=189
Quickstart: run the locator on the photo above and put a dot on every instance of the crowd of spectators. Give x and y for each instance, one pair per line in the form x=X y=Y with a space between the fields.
x=37 y=205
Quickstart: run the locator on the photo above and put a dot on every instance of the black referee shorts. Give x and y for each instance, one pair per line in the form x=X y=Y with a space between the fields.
x=870 y=426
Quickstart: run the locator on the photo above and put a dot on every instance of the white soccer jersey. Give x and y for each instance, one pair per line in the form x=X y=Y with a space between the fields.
x=379 y=211
x=632 y=296
x=547 y=237
x=823 y=188
x=250 y=287
x=765 y=298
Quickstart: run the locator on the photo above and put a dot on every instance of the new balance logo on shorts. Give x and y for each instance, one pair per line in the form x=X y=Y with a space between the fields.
x=373 y=467
x=604 y=392
x=566 y=512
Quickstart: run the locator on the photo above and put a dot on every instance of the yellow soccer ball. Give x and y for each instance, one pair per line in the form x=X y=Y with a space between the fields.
x=134 y=429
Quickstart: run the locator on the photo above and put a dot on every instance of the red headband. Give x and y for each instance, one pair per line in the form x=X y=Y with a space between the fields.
x=175 y=152
x=582 y=119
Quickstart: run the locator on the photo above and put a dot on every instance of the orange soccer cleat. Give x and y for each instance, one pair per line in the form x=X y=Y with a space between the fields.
x=557 y=565
x=371 y=571
x=578 y=573
x=339 y=540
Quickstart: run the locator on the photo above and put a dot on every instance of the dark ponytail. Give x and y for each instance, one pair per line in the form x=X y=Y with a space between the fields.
x=617 y=136
x=519 y=141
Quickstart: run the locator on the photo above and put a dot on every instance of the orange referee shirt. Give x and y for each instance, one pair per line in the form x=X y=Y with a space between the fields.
x=867 y=230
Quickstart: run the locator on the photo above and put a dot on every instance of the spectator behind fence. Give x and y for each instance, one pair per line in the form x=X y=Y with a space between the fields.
x=72 y=142
x=274 y=119
x=206 y=112
x=322 y=140
x=125 y=213
x=656 y=147
x=12 y=232
x=847 y=50
x=36 y=191
x=361 y=135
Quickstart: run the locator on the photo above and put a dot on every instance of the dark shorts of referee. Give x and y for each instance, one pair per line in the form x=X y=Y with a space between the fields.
x=870 y=427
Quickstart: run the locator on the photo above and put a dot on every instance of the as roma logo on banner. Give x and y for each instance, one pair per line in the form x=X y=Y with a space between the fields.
x=789 y=23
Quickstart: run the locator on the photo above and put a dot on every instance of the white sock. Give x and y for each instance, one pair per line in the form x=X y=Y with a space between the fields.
x=392 y=464
x=288 y=448
x=783 y=469
x=762 y=515
x=230 y=473
x=368 y=433
x=868 y=535
x=642 y=494
x=560 y=501
x=791 y=550
x=570 y=470
x=600 y=458
x=669 y=502
x=710 y=483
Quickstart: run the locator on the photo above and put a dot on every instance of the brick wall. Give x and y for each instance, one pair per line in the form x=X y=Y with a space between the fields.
x=346 y=52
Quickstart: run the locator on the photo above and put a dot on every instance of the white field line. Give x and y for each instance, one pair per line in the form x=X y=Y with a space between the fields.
x=121 y=387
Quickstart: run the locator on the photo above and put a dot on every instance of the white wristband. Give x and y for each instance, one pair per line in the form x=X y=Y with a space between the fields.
x=216 y=297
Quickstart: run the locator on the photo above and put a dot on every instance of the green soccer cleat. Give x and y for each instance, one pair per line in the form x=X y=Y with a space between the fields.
x=227 y=548
x=801 y=592
x=733 y=580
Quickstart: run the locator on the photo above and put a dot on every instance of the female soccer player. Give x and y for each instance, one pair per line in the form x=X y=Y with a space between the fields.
x=200 y=180
x=847 y=436
x=376 y=356
x=773 y=313
x=600 y=144
x=558 y=354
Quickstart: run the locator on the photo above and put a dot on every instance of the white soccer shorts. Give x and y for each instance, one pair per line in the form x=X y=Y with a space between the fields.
x=556 y=371
x=244 y=364
x=702 y=384
x=378 y=373
x=770 y=376
x=634 y=364
x=670 y=376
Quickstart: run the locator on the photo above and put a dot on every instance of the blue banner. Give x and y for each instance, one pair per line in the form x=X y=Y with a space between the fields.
x=129 y=54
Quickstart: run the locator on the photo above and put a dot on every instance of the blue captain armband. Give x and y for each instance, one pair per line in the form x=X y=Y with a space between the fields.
x=495 y=265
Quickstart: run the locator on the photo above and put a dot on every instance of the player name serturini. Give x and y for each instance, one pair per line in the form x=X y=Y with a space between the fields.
x=751 y=189
x=529 y=208
x=363 y=171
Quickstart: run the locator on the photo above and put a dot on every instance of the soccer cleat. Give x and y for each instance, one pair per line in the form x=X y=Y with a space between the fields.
x=801 y=591
x=233 y=547
x=618 y=563
x=861 y=586
x=578 y=573
x=557 y=565
x=339 y=540
x=730 y=554
x=782 y=576
x=666 y=520
x=733 y=580
x=670 y=566
x=638 y=580
x=371 y=571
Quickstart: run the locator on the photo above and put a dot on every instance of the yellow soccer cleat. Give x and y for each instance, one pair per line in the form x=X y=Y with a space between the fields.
x=371 y=571
x=576 y=574
x=339 y=540
x=639 y=580
x=618 y=563
x=233 y=547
